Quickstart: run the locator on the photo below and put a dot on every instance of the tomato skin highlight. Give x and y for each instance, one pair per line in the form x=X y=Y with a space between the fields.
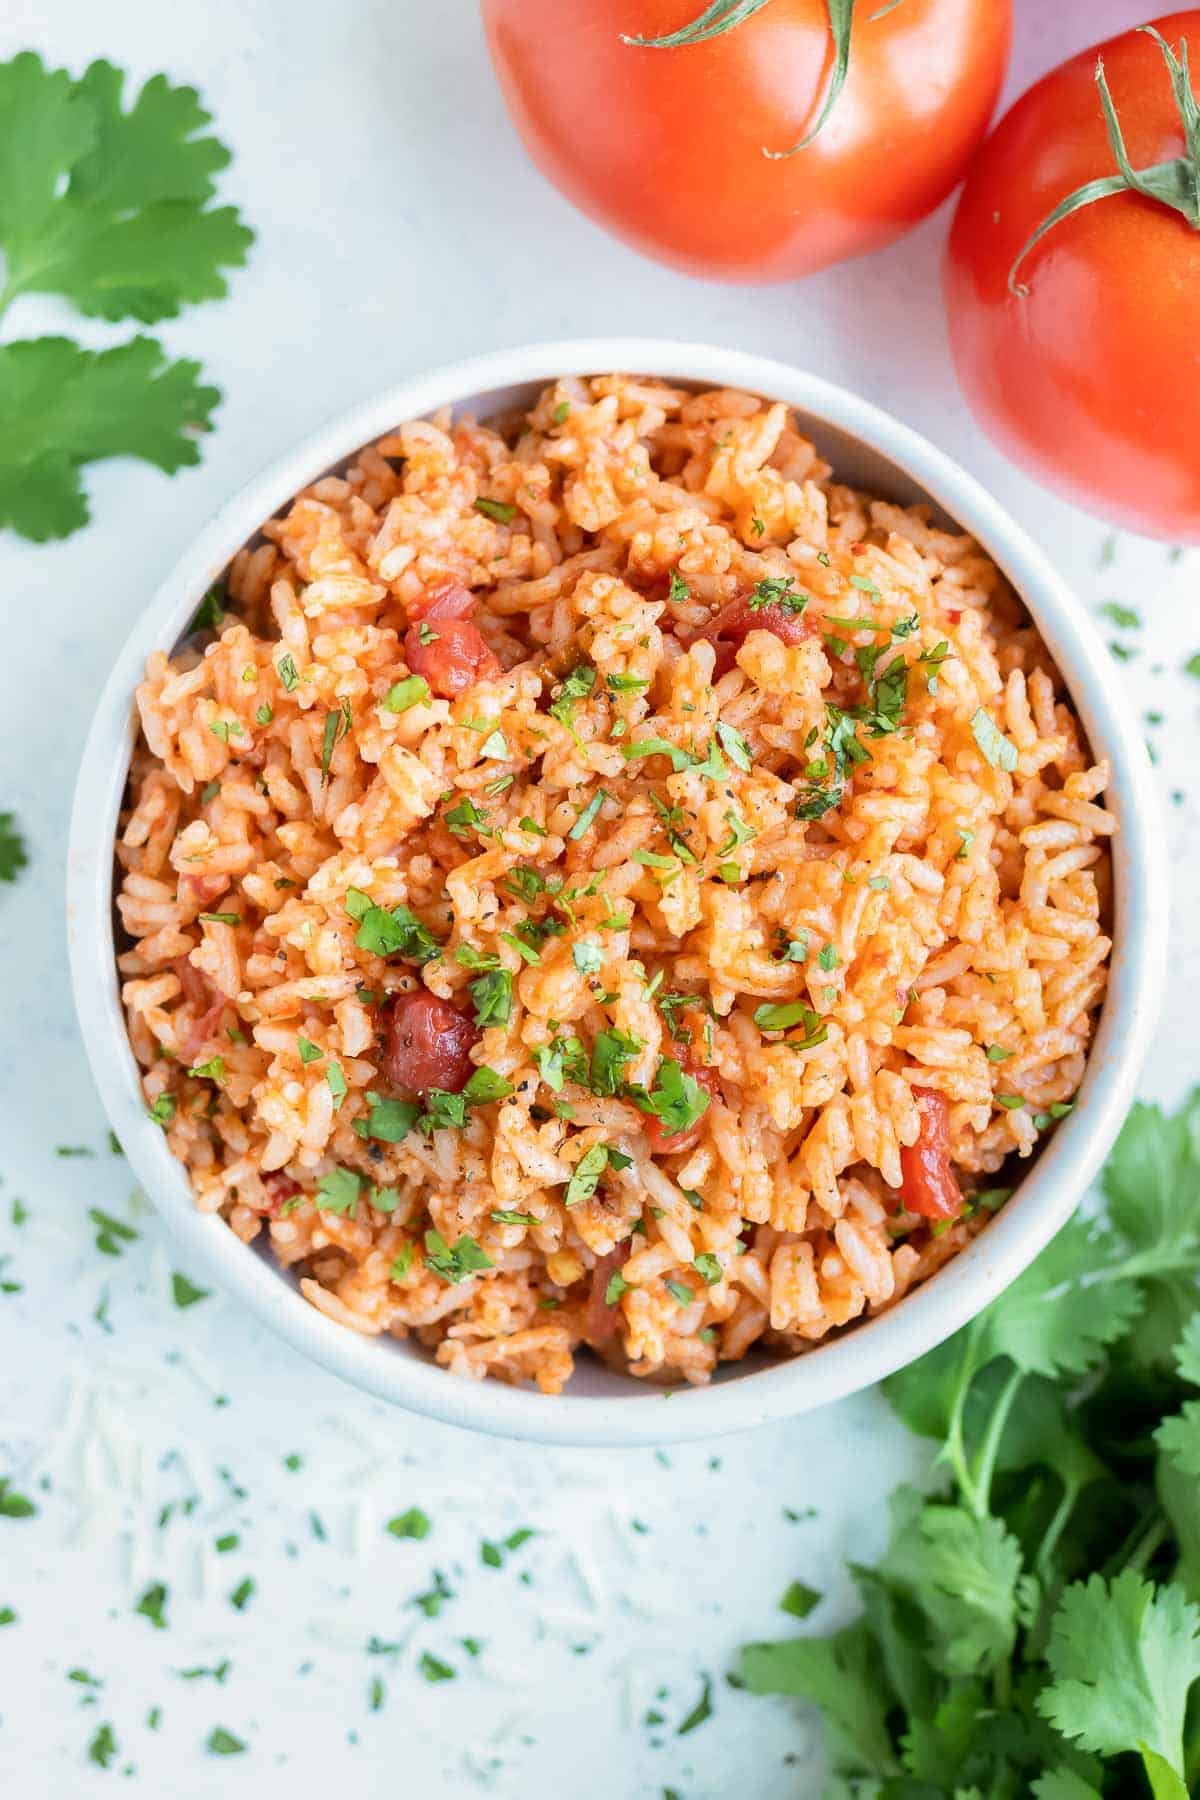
x=1091 y=382
x=928 y=1183
x=665 y=148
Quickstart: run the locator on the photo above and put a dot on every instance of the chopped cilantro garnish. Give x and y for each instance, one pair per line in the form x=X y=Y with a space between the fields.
x=412 y=691
x=502 y=511
x=491 y=993
x=996 y=748
x=186 y=1293
x=457 y=1262
x=411 y=1524
x=680 y=1292
x=734 y=745
x=339 y=1191
x=587 y=816
x=395 y=933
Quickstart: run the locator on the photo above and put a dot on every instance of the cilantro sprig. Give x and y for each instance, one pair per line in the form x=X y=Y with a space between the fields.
x=1035 y=1628
x=109 y=208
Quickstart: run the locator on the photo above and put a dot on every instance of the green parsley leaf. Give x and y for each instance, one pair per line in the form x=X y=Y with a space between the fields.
x=577 y=686
x=286 y=670
x=680 y=1292
x=508 y=1217
x=454 y=1263
x=996 y=748
x=678 y=588
x=309 y=1052
x=708 y=1268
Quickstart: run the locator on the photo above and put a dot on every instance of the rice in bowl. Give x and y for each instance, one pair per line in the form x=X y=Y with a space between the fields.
x=604 y=883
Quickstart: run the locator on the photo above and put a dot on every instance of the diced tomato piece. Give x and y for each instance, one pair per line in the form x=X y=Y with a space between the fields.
x=453 y=659
x=448 y=600
x=428 y=1044
x=729 y=628
x=671 y=1143
x=207 y=1004
x=600 y=1320
x=279 y=1189
x=928 y=1184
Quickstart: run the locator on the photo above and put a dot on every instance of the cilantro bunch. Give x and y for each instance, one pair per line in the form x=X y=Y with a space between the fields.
x=1035 y=1629
x=109 y=210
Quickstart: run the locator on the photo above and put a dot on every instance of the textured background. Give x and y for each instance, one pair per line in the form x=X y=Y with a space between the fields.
x=399 y=226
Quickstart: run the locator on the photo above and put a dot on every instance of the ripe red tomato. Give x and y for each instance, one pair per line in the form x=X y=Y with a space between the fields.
x=666 y=147
x=1091 y=379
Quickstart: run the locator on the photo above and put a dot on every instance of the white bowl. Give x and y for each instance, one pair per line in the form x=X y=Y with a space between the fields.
x=867 y=447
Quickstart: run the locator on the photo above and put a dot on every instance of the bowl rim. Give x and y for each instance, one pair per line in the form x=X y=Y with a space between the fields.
x=870 y=1350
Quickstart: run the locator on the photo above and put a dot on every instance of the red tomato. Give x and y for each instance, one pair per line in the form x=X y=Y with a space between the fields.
x=600 y=1320
x=1090 y=379
x=665 y=147
x=428 y=1044
x=442 y=644
x=929 y=1186
x=729 y=628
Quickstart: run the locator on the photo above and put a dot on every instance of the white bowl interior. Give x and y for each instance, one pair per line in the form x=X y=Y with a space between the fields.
x=600 y=1406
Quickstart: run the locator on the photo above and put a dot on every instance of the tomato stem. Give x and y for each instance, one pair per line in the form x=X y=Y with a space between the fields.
x=1175 y=183
x=723 y=15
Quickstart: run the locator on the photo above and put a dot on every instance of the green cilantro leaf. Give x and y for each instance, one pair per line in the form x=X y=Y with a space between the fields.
x=106 y=207
x=676 y=1100
x=389 y=1120
x=996 y=748
x=339 y=1191
x=586 y=1174
x=492 y=994
x=842 y=1675
x=186 y=1293
x=62 y=406
x=12 y=849
x=395 y=933
x=799 y=1599
x=413 y=691
x=411 y=1524
x=1123 y=1657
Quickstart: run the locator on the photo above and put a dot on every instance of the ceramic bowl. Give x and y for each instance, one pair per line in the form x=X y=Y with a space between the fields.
x=867 y=447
